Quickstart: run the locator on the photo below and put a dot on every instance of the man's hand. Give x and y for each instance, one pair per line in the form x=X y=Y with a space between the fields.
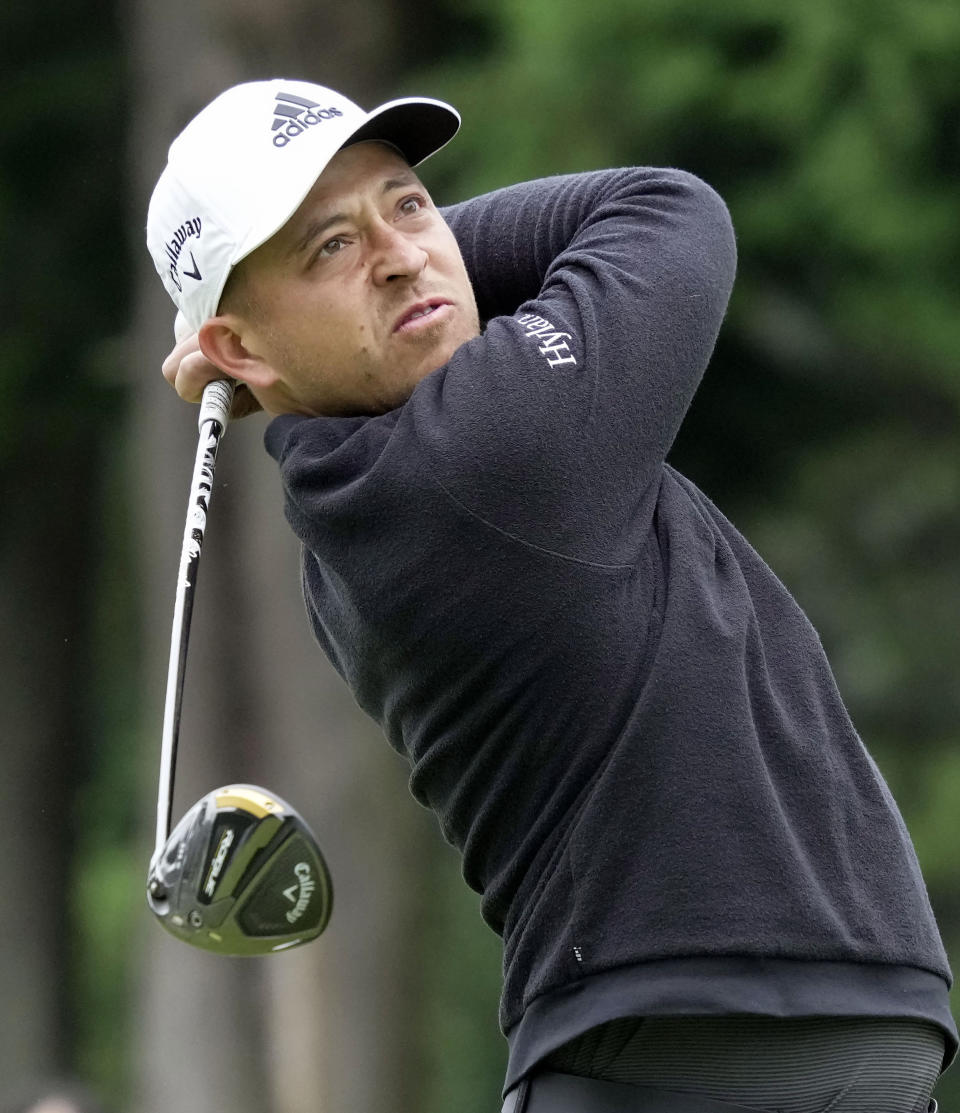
x=188 y=371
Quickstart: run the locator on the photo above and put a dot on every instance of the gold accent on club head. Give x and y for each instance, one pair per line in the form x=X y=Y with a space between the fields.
x=248 y=799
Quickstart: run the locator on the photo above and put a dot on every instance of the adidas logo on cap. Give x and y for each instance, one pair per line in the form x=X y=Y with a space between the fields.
x=292 y=115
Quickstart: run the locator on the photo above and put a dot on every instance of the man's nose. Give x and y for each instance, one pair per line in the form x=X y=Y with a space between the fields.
x=395 y=255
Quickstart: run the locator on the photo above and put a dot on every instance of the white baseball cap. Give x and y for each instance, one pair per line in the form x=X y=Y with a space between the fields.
x=241 y=167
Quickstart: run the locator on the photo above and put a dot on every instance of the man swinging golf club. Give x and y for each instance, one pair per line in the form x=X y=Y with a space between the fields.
x=707 y=897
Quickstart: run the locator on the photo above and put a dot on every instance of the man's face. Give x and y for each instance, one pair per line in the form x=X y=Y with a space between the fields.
x=361 y=294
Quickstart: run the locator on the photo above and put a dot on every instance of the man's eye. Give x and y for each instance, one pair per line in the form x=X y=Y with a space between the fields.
x=411 y=205
x=331 y=247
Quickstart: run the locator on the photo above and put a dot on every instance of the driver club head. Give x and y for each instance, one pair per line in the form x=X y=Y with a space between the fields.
x=241 y=874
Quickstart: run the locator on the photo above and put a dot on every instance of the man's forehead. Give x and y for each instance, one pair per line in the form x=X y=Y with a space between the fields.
x=370 y=165
x=360 y=170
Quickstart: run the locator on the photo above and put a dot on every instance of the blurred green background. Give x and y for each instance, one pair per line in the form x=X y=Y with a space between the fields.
x=827 y=428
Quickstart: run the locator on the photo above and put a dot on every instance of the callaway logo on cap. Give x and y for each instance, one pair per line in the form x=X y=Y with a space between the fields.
x=239 y=170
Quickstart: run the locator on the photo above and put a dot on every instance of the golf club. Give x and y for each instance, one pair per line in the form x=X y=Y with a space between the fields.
x=241 y=874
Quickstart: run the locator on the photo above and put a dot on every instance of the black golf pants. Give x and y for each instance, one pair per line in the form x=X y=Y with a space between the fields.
x=740 y=1064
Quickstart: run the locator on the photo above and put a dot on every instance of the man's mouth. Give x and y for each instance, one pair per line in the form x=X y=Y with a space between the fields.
x=415 y=317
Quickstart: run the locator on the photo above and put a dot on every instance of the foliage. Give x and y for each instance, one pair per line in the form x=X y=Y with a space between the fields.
x=831 y=129
x=62 y=222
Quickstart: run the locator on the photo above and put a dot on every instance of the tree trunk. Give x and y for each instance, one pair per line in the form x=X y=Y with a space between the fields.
x=41 y=616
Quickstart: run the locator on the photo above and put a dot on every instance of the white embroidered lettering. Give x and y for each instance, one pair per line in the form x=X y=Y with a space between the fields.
x=554 y=346
x=555 y=352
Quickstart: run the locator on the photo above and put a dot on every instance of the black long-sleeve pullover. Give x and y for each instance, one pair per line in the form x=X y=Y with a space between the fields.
x=618 y=713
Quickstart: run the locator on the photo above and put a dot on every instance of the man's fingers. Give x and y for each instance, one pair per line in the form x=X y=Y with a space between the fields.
x=188 y=370
x=193 y=374
x=171 y=365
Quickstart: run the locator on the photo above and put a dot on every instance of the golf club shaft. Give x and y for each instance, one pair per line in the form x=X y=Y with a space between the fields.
x=214 y=416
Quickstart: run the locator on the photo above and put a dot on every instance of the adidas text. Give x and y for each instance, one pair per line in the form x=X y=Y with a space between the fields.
x=297 y=126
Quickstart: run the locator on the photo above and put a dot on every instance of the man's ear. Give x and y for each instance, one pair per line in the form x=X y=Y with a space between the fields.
x=224 y=341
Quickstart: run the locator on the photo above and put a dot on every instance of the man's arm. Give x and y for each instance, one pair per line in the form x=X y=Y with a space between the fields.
x=512 y=237
x=604 y=294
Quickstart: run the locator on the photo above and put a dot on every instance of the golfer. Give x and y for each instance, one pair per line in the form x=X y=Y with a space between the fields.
x=707 y=897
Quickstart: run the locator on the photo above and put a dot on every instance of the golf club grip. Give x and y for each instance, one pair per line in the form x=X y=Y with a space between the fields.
x=215 y=404
x=214 y=415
